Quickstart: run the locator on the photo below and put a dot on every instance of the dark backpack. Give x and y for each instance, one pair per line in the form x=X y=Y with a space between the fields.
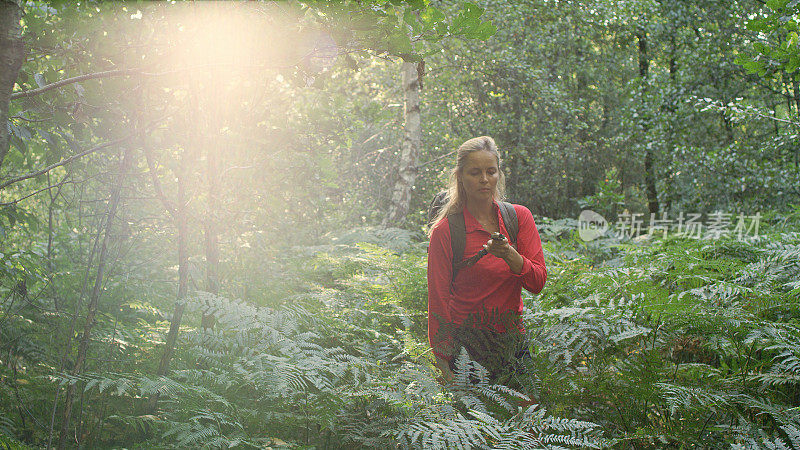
x=458 y=230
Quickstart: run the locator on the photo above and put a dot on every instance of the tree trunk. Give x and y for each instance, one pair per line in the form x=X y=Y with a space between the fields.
x=68 y=345
x=12 y=55
x=183 y=275
x=93 y=302
x=211 y=232
x=407 y=171
x=796 y=90
x=671 y=108
x=216 y=110
x=649 y=167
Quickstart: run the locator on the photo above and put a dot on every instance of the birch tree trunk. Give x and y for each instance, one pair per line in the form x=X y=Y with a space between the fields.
x=407 y=169
x=12 y=55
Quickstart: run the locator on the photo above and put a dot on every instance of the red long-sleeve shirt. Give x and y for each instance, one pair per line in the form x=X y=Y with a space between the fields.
x=488 y=286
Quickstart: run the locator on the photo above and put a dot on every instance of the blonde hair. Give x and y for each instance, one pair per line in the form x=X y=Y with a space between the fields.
x=455 y=191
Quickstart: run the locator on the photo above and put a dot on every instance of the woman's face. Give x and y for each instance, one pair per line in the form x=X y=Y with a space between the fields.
x=479 y=176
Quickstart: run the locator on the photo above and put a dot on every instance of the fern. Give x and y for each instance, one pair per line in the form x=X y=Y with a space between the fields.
x=685 y=397
x=654 y=345
x=9 y=443
x=529 y=428
x=7 y=426
x=445 y=427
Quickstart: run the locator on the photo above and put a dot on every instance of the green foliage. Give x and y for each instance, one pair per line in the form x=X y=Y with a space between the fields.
x=341 y=365
x=527 y=429
x=649 y=344
x=9 y=443
x=383 y=27
x=609 y=197
x=776 y=51
x=696 y=325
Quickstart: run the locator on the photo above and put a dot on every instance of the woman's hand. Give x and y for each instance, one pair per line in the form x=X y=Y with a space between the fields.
x=503 y=250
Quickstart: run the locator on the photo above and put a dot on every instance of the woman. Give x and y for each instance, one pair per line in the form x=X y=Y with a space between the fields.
x=482 y=302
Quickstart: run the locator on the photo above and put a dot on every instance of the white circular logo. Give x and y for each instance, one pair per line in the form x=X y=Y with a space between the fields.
x=591 y=225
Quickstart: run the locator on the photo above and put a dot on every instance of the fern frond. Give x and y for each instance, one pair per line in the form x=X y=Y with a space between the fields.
x=685 y=397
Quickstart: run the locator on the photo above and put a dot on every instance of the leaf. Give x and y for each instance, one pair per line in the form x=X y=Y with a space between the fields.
x=459 y=23
x=400 y=43
x=92 y=383
x=40 y=80
x=485 y=31
x=20 y=131
x=757 y=24
x=122 y=386
x=792 y=64
x=752 y=66
x=776 y=5
x=19 y=144
x=417 y=4
x=53 y=146
x=762 y=48
x=431 y=16
x=472 y=11
x=79 y=90
x=411 y=19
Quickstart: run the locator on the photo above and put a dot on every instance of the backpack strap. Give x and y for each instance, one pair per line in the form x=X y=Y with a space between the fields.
x=509 y=215
x=458 y=238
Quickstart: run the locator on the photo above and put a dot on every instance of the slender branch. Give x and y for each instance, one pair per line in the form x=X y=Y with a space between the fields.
x=73 y=322
x=382 y=128
x=719 y=106
x=31 y=120
x=125 y=72
x=765 y=116
x=78 y=79
x=63 y=162
x=705 y=424
x=94 y=299
x=224 y=172
x=435 y=159
x=156 y=183
x=58 y=185
x=74 y=157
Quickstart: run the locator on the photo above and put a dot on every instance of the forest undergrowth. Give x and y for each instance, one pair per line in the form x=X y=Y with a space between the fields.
x=665 y=342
